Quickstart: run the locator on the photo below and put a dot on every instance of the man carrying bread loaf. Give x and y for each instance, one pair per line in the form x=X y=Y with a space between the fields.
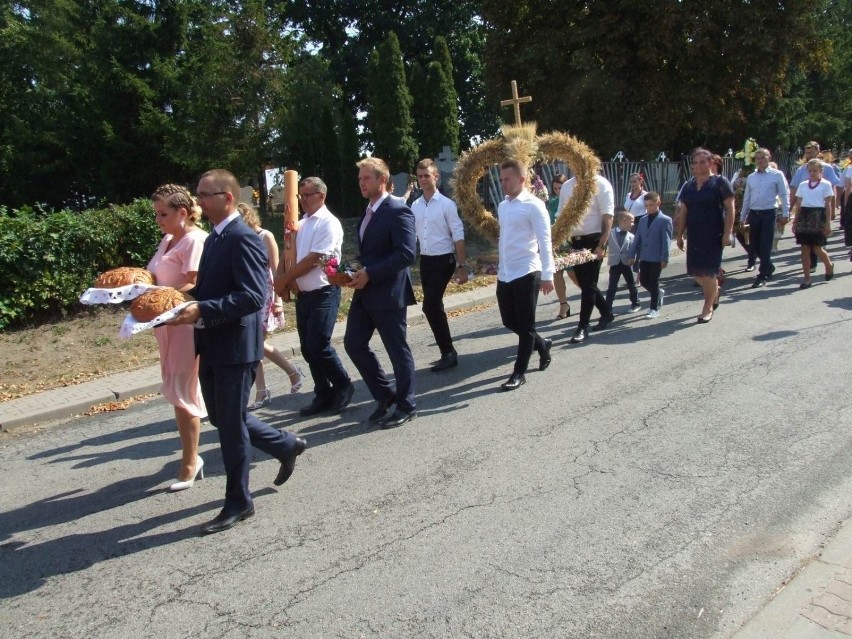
x=230 y=291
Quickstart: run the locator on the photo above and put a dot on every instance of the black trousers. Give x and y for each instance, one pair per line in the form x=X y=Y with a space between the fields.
x=587 y=278
x=761 y=233
x=615 y=273
x=435 y=274
x=316 y=315
x=649 y=278
x=517 y=301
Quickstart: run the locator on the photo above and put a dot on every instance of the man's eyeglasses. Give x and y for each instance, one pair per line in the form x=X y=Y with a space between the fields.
x=302 y=196
x=205 y=194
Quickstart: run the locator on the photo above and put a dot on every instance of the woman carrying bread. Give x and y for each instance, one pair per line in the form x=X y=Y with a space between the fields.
x=175 y=264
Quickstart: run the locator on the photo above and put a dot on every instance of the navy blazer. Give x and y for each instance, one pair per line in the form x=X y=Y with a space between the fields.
x=231 y=289
x=387 y=252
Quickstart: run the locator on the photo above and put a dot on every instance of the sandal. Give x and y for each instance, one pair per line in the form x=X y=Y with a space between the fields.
x=296 y=386
x=564 y=310
x=716 y=303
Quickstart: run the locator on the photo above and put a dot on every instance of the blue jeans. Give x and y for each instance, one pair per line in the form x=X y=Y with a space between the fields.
x=316 y=315
x=761 y=232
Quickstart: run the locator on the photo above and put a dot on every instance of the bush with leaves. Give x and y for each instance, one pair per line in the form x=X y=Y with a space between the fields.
x=49 y=259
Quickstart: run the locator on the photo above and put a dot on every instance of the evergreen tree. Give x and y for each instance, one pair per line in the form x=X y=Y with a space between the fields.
x=389 y=113
x=349 y=154
x=441 y=122
x=420 y=103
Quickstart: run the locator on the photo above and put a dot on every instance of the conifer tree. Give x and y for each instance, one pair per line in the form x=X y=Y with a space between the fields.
x=389 y=114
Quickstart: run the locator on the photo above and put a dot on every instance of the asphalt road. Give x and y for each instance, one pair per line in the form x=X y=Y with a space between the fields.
x=661 y=480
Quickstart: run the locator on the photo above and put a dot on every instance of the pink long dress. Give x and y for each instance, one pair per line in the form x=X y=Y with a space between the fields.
x=178 y=362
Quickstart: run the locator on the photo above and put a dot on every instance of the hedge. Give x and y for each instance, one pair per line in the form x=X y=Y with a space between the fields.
x=48 y=259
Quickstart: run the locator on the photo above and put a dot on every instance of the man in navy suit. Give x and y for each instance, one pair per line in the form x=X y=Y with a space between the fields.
x=387 y=244
x=230 y=290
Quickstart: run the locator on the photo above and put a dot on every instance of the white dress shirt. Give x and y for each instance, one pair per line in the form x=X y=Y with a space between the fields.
x=524 y=245
x=762 y=190
x=318 y=233
x=603 y=203
x=437 y=224
x=221 y=225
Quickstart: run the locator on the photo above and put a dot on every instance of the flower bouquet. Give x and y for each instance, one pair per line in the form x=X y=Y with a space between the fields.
x=338 y=275
x=567 y=261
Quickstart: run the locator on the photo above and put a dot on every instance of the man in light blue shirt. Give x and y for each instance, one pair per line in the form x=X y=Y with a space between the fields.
x=764 y=189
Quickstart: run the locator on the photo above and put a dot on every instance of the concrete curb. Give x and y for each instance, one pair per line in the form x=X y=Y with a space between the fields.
x=63 y=402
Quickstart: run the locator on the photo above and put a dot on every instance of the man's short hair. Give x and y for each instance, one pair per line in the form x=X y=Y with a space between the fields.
x=621 y=213
x=315 y=182
x=517 y=165
x=813 y=144
x=379 y=167
x=765 y=152
x=224 y=181
x=816 y=162
x=652 y=196
x=429 y=165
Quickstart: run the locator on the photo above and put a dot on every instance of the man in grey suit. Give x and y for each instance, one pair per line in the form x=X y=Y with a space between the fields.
x=230 y=291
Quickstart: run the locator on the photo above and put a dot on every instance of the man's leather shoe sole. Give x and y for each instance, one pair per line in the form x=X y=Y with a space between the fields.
x=289 y=465
x=514 y=382
x=343 y=399
x=382 y=409
x=604 y=322
x=315 y=407
x=545 y=359
x=398 y=418
x=223 y=521
x=448 y=360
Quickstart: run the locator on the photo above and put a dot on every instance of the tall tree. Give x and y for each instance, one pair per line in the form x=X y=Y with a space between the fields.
x=647 y=76
x=441 y=120
x=349 y=31
x=389 y=112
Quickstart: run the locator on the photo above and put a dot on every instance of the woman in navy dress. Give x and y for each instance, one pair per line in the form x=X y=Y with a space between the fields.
x=708 y=219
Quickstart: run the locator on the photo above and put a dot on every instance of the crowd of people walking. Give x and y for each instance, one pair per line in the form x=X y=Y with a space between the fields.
x=211 y=352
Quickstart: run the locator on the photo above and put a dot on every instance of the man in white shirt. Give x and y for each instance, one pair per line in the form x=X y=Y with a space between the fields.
x=440 y=233
x=320 y=236
x=525 y=267
x=592 y=233
x=764 y=189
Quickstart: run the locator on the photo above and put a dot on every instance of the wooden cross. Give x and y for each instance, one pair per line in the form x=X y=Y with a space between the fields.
x=516 y=102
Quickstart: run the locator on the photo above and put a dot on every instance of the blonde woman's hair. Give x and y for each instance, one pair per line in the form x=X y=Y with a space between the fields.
x=249 y=214
x=176 y=197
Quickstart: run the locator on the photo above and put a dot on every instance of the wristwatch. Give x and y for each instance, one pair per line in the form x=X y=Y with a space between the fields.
x=461 y=266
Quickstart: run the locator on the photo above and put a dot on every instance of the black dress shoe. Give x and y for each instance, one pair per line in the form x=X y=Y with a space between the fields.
x=516 y=380
x=398 y=418
x=288 y=464
x=448 y=360
x=580 y=336
x=316 y=406
x=759 y=282
x=603 y=322
x=223 y=521
x=749 y=268
x=382 y=409
x=344 y=397
x=544 y=356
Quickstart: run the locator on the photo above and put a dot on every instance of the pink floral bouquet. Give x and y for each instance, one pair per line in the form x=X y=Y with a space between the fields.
x=337 y=274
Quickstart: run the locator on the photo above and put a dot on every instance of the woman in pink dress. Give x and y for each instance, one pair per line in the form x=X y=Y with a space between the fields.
x=274 y=311
x=175 y=264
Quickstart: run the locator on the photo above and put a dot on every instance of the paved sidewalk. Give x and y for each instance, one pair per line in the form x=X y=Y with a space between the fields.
x=816 y=603
x=70 y=400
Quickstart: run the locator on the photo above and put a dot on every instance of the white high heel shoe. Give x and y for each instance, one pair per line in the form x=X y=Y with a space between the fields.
x=265 y=396
x=296 y=386
x=183 y=485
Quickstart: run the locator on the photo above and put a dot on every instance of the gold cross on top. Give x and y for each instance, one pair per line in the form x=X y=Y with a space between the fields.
x=516 y=102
